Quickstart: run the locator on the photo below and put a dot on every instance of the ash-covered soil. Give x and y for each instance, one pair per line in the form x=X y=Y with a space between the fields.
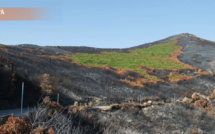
x=197 y=52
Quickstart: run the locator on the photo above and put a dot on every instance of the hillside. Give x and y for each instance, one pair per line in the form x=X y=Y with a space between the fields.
x=161 y=72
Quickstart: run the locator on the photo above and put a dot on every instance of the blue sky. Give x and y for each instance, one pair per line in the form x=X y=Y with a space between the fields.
x=109 y=23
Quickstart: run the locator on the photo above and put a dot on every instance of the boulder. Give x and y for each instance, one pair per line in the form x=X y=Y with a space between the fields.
x=187 y=100
x=148 y=103
x=46 y=100
x=201 y=103
x=196 y=96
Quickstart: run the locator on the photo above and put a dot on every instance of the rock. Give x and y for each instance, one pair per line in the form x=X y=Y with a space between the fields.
x=85 y=104
x=199 y=131
x=201 y=103
x=196 y=96
x=176 y=132
x=196 y=131
x=76 y=103
x=148 y=103
x=200 y=70
x=90 y=104
x=46 y=100
x=187 y=100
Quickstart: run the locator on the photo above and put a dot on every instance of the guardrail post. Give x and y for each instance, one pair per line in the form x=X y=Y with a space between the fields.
x=58 y=98
x=22 y=97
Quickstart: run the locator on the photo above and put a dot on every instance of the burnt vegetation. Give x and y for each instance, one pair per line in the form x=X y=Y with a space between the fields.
x=135 y=103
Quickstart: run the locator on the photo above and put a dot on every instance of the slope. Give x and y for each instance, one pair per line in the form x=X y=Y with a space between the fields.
x=76 y=82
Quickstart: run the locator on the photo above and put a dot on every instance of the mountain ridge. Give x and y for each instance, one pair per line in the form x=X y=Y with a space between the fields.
x=167 y=38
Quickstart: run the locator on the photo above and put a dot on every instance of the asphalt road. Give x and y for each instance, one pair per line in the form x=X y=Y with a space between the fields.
x=16 y=112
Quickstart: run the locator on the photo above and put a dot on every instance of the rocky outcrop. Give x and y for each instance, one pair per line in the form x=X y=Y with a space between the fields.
x=198 y=100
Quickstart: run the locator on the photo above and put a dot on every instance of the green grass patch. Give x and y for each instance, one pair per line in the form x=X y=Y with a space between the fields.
x=174 y=75
x=157 y=56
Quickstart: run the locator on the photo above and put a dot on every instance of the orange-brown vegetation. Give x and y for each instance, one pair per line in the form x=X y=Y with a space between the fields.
x=22 y=54
x=48 y=84
x=54 y=107
x=37 y=61
x=15 y=125
x=202 y=72
x=195 y=54
x=134 y=82
x=175 y=77
x=75 y=109
x=137 y=83
x=41 y=130
x=175 y=55
x=118 y=71
x=31 y=50
x=51 y=131
x=187 y=94
x=43 y=51
x=3 y=59
x=38 y=130
x=194 y=131
x=4 y=49
x=212 y=95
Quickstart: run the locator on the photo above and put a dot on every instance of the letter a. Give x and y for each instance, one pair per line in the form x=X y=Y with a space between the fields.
x=2 y=11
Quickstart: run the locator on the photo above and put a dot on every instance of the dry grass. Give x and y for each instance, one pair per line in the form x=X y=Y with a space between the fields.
x=175 y=77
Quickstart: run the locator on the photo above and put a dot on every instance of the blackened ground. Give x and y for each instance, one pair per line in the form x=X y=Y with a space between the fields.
x=197 y=52
x=168 y=118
